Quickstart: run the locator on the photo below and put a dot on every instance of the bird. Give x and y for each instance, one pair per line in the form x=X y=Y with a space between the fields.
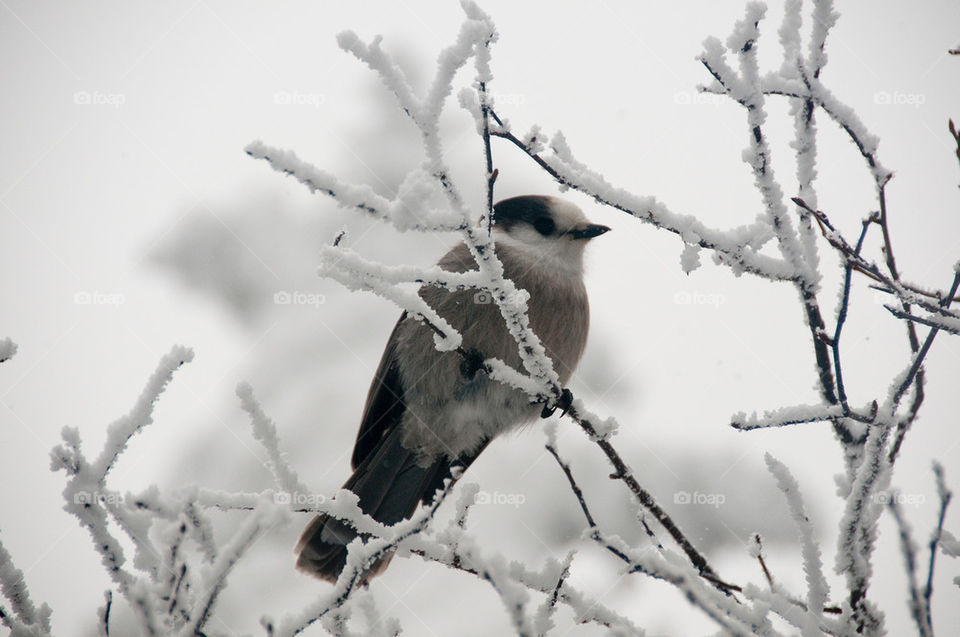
x=427 y=411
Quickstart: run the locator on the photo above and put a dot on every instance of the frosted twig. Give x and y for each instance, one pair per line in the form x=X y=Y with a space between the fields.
x=266 y=433
x=542 y=383
x=944 y=495
x=551 y=581
x=615 y=548
x=573 y=486
x=122 y=430
x=954 y=132
x=23 y=618
x=908 y=549
x=484 y=75
x=265 y=516
x=738 y=247
x=623 y=472
x=746 y=89
x=907 y=293
x=543 y=621
x=921 y=354
x=810 y=88
x=104 y=613
x=805 y=144
x=168 y=591
x=949 y=325
x=361 y=556
x=87 y=480
x=759 y=555
x=786 y=416
x=817 y=588
x=842 y=317
x=869 y=455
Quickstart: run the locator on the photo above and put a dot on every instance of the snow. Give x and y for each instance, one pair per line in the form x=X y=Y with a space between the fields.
x=690 y=258
x=823 y=19
x=604 y=428
x=790 y=36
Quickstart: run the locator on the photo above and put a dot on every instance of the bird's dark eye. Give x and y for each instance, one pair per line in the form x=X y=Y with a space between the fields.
x=544 y=225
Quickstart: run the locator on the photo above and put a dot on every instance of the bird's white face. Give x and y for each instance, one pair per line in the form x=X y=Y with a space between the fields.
x=552 y=231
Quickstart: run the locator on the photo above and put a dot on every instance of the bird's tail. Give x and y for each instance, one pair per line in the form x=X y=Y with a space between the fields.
x=390 y=484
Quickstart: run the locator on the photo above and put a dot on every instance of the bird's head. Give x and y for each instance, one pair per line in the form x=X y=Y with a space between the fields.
x=551 y=230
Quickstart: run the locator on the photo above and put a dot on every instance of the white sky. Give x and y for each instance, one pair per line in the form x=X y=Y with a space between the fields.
x=89 y=191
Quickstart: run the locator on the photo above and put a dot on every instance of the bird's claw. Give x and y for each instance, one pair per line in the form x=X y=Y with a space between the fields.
x=471 y=364
x=564 y=402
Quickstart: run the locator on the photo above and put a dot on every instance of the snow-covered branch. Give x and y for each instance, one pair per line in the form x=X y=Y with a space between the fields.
x=870 y=452
x=23 y=617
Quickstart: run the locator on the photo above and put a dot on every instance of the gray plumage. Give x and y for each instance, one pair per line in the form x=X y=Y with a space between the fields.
x=424 y=413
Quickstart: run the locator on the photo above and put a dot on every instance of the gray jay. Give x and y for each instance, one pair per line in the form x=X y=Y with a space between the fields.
x=427 y=411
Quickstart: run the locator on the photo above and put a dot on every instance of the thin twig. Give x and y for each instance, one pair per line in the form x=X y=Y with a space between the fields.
x=622 y=472
x=922 y=320
x=842 y=316
x=734 y=256
x=909 y=550
x=945 y=495
x=763 y=564
x=914 y=374
x=953 y=129
x=106 y=612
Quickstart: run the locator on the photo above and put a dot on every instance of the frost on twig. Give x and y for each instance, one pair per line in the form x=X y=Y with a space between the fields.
x=415 y=208
x=22 y=617
x=178 y=571
x=870 y=452
x=817 y=588
x=266 y=433
x=792 y=224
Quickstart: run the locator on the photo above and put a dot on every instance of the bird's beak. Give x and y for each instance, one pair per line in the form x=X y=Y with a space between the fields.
x=588 y=232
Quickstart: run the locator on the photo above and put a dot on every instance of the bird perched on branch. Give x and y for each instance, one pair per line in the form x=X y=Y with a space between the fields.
x=427 y=410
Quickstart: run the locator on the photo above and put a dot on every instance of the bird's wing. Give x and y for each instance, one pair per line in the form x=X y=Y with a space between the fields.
x=385 y=406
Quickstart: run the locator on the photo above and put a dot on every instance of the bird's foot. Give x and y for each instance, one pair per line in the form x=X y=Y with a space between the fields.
x=471 y=364
x=563 y=403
